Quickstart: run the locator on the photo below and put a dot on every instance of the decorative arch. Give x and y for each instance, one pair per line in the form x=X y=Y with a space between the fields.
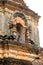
x=18 y=23
x=21 y=15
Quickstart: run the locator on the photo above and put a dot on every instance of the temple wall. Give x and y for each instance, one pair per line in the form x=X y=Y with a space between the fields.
x=11 y=49
x=34 y=29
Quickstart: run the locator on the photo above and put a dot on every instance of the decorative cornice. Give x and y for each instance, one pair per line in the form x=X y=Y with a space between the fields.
x=23 y=7
x=27 y=46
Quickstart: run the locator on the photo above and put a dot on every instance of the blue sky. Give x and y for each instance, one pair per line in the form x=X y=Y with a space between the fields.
x=37 y=6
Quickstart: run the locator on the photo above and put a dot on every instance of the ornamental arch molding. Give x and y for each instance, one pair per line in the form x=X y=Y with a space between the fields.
x=21 y=15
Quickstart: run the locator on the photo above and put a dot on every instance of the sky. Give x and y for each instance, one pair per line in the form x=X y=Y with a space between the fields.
x=37 y=6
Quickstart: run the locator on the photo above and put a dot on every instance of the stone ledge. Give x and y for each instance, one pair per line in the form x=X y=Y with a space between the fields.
x=12 y=61
x=28 y=47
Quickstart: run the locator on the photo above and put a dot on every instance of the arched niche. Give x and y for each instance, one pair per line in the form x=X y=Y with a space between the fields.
x=19 y=25
x=20 y=30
